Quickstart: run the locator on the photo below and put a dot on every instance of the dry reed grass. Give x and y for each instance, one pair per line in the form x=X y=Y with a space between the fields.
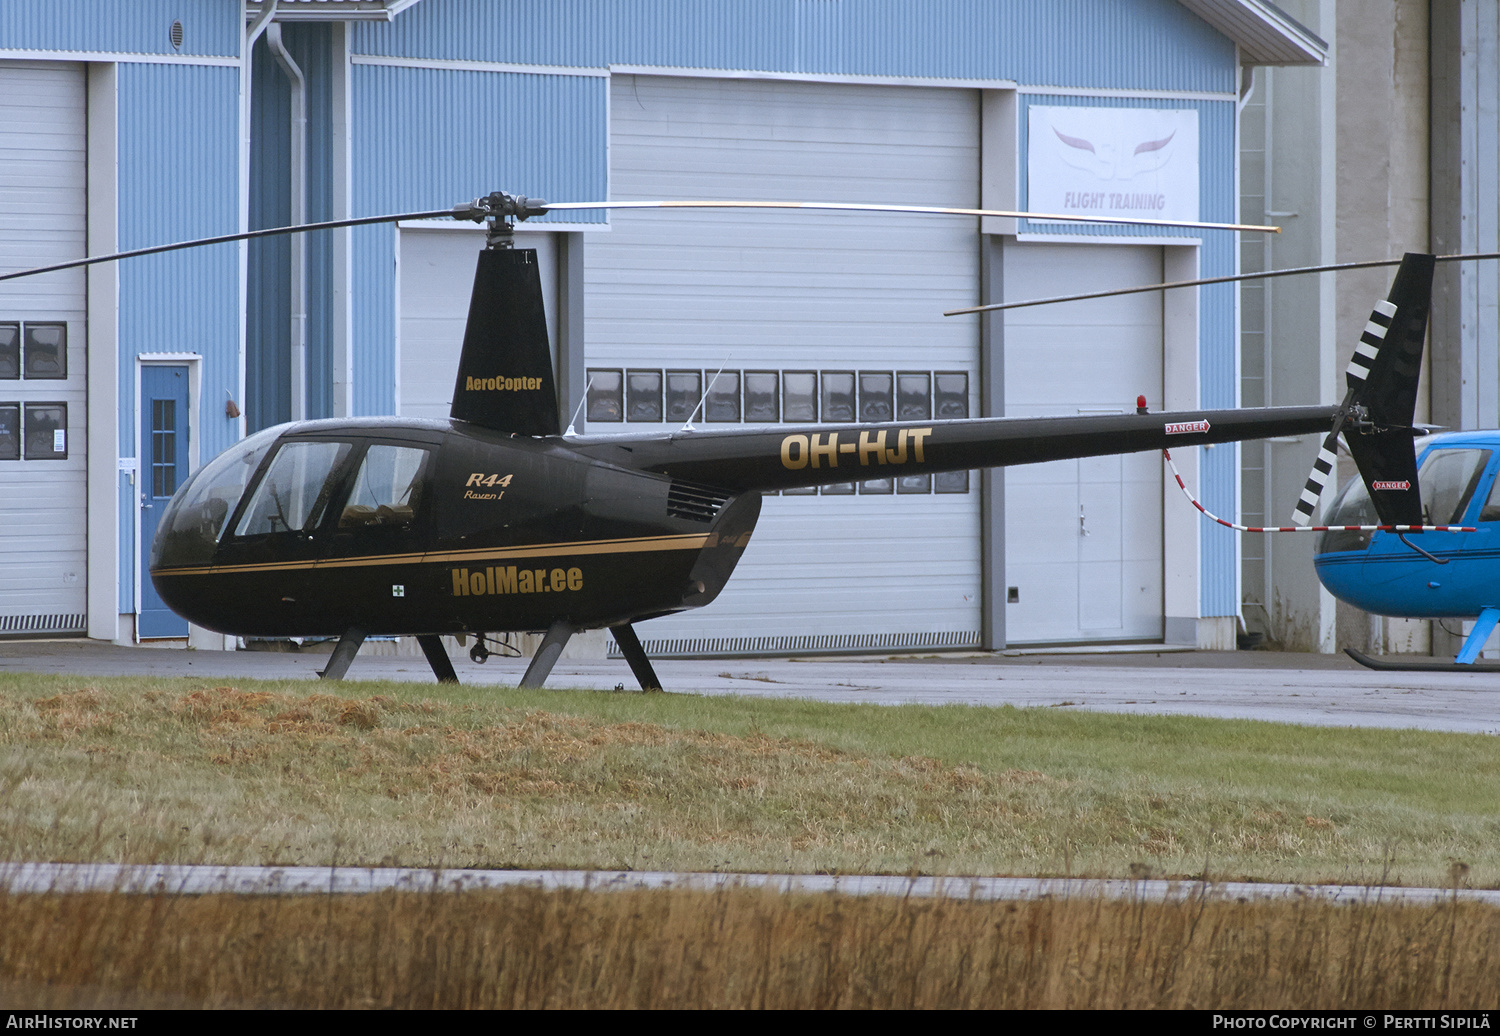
x=523 y=948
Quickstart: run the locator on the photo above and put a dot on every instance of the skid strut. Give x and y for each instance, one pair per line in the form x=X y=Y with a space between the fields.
x=640 y=665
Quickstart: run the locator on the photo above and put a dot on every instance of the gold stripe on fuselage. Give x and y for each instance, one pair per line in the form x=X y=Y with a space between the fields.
x=635 y=545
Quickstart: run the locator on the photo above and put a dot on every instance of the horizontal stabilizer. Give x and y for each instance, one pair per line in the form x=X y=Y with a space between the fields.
x=505 y=377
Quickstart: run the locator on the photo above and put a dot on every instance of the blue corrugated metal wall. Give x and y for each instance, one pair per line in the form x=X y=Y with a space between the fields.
x=268 y=319
x=178 y=179
x=209 y=27
x=1145 y=44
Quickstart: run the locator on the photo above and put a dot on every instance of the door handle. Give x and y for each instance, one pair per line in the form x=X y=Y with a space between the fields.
x=1083 y=529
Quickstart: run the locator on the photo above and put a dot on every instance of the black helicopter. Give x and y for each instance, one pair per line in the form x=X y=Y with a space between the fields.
x=495 y=521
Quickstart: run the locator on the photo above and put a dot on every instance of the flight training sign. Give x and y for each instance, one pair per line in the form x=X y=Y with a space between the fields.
x=1131 y=162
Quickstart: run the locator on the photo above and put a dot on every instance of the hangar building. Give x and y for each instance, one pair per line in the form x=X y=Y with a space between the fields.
x=126 y=125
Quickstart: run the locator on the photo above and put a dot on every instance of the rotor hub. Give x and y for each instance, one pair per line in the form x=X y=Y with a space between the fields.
x=500 y=210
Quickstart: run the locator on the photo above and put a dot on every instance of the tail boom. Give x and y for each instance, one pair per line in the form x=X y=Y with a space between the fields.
x=815 y=455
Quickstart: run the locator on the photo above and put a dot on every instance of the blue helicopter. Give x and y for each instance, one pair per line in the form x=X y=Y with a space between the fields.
x=1455 y=575
x=1369 y=551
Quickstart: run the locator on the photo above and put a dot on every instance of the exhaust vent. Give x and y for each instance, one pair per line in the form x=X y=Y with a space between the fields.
x=693 y=502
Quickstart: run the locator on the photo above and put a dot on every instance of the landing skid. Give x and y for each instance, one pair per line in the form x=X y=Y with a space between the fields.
x=1420 y=667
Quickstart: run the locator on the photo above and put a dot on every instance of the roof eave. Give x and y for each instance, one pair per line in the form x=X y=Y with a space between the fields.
x=1265 y=34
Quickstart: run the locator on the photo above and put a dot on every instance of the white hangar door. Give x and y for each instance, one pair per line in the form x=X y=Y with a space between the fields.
x=833 y=299
x=43 y=444
x=1083 y=538
x=436 y=273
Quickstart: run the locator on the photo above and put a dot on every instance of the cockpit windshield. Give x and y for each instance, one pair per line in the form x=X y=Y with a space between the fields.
x=1352 y=506
x=189 y=532
x=1447 y=480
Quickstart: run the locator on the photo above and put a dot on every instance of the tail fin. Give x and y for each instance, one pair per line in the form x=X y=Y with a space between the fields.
x=505 y=379
x=1379 y=405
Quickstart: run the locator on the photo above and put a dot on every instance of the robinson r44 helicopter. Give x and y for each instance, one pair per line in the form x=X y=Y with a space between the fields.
x=497 y=521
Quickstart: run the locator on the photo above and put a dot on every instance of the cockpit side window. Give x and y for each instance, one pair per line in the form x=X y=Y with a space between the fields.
x=388 y=489
x=1448 y=479
x=295 y=490
x=1491 y=510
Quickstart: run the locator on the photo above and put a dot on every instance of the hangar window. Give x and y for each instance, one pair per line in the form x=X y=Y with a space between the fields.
x=799 y=396
x=723 y=402
x=914 y=484
x=914 y=396
x=878 y=486
x=876 y=397
x=163 y=447
x=762 y=399
x=952 y=395
x=838 y=395
x=643 y=396
x=10 y=431
x=46 y=431
x=388 y=489
x=46 y=351
x=684 y=390
x=10 y=351
x=606 y=398
x=294 y=492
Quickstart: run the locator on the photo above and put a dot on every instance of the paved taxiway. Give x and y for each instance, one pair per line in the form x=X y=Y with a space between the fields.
x=1289 y=688
x=181 y=879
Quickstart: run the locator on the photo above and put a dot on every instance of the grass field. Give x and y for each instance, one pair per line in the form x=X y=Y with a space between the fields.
x=735 y=948
x=142 y=770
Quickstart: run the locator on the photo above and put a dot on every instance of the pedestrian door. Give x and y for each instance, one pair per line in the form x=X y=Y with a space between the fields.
x=162 y=452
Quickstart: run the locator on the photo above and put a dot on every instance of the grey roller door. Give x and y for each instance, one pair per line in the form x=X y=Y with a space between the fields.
x=1083 y=537
x=754 y=291
x=43 y=528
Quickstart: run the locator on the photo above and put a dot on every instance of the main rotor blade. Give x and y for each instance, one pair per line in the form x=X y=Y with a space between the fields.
x=933 y=210
x=457 y=212
x=1264 y=275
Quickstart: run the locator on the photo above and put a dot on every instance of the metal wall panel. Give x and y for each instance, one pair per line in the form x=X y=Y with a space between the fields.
x=209 y=27
x=178 y=179
x=1147 y=44
x=43 y=176
x=772 y=291
x=268 y=320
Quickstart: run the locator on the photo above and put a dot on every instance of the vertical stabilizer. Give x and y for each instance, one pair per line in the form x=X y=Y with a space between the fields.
x=1376 y=415
x=505 y=379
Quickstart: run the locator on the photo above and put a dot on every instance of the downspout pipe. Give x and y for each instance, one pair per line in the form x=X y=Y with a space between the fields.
x=298 y=215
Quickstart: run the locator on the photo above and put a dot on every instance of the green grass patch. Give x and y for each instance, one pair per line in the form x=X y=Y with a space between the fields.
x=184 y=770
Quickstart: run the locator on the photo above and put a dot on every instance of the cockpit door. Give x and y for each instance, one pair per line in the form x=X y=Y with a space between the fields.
x=382 y=515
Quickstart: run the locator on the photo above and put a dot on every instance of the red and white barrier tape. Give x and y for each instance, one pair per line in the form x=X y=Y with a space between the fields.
x=1305 y=528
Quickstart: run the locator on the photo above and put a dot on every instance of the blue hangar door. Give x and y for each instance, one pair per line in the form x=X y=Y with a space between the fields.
x=164 y=464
